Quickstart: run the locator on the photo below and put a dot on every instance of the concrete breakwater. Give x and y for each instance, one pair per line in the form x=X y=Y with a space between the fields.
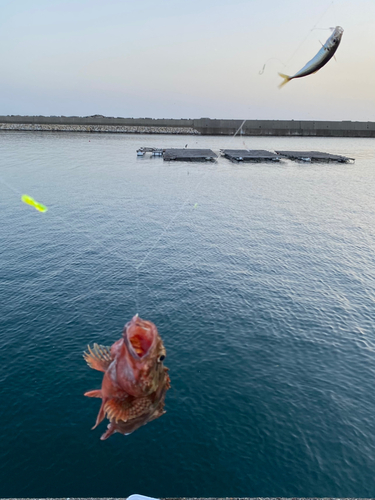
x=44 y=127
x=203 y=126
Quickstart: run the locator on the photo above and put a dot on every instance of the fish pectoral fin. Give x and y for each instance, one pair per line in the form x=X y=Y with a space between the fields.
x=94 y=394
x=99 y=358
x=118 y=409
x=101 y=414
x=126 y=409
x=286 y=80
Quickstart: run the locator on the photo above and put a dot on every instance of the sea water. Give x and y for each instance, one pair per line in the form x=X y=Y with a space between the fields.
x=260 y=279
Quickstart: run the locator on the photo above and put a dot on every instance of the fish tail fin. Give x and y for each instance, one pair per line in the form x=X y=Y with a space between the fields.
x=286 y=80
x=98 y=358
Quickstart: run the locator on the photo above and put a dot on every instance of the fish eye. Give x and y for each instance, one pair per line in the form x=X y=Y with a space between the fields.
x=161 y=358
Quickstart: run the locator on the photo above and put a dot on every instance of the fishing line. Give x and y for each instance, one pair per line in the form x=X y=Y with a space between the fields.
x=198 y=258
x=151 y=249
x=172 y=220
x=19 y=193
x=176 y=273
x=239 y=128
x=10 y=187
x=70 y=226
x=166 y=227
x=301 y=43
x=95 y=242
x=270 y=59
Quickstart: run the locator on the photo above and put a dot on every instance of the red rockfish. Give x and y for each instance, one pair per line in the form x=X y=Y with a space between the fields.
x=135 y=380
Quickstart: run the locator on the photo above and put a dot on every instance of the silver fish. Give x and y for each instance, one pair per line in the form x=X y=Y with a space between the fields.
x=322 y=57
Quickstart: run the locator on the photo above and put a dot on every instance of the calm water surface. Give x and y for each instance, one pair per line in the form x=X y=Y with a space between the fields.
x=263 y=293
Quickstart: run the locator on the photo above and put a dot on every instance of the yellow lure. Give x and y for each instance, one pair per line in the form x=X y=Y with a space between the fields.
x=30 y=201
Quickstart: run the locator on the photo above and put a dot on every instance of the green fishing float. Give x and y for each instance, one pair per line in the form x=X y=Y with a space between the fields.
x=30 y=201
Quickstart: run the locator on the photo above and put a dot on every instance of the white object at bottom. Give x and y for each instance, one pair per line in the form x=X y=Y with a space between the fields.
x=140 y=497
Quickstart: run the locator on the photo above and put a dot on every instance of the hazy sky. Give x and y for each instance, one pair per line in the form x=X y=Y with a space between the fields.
x=185 y=58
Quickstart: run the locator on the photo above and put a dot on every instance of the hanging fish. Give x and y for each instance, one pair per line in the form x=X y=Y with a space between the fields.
x=135 y=380
x=322 y=57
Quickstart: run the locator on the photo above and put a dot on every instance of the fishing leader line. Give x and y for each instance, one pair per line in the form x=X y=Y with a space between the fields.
x=151 y=249
x=18 y=193
x=164 y=230
x=65 y=222
x=97 y=243
x=9 y=186
x=70 y=226
x=169 y=224
x=198 y=258
x=301 y=43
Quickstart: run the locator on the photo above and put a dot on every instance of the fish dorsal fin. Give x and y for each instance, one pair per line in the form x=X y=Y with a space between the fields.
x=99 y=358
x=126 y=409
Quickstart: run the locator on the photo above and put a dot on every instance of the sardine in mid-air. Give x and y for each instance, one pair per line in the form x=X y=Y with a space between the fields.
x=322 y=57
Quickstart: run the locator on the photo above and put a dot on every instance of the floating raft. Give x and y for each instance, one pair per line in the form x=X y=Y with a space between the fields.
x=189 y=155
x=249 y=155
x=246 y=155
x=309 y=156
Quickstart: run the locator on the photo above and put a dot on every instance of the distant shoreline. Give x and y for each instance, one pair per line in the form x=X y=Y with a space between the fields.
x=200 y=126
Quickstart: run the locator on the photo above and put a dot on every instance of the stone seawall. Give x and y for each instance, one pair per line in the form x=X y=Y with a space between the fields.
x=127 y=129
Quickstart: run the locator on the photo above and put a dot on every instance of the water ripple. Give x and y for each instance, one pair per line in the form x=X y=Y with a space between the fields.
x=263 y=293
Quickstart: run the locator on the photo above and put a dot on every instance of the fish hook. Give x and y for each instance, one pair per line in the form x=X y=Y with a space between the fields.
x=262 y=70
x=270 y=59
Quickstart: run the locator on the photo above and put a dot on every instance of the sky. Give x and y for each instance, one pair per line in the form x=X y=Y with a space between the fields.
x=185 y=58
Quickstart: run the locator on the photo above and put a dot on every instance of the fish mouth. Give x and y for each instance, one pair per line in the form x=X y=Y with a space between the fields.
x=139 y=337
x=338 y=31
